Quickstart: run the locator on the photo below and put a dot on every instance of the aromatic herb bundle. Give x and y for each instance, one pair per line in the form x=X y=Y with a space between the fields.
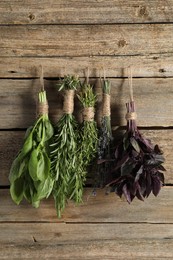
x=105 y=136
x=138 y=169
x=30 y=176
x=64 y=147
x=88 y=136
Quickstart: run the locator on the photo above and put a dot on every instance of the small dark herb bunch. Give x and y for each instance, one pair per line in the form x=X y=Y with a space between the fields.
x=64 y=146
x=30 y=176
x=138 y=169
x=105 y=136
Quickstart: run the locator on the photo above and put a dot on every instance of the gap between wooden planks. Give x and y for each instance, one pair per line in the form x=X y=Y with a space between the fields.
x=95 y=209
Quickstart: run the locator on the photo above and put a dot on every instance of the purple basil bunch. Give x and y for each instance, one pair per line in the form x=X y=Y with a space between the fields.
x=137 y=165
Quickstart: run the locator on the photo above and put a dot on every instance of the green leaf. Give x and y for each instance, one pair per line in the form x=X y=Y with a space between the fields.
x=49 y=131
x=135 y=144
x=27 y=146
x=27 y=193
x=44 y=189
x=36 y=204
x=33 y=165
x=17 y=190
x=43 y=168
x=18 y=169
x=28 y=131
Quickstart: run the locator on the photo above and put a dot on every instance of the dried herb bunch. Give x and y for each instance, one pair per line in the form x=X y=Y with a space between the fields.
x=138 y=164
x=105 y=136
x=88 y=135
x=30 y=176
x=64 y=147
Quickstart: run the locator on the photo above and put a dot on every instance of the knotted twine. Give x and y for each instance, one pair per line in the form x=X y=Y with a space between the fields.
x=88 y=114
x=68 y=105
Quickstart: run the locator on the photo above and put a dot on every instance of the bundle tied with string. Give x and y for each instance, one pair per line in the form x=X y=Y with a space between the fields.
x=64 y=149
x=137 y=170
x=30 y=175
x=105 y=136
x=88 y=131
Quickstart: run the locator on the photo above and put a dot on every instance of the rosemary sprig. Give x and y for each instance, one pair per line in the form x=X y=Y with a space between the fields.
x=64 y=147
x=30 y=176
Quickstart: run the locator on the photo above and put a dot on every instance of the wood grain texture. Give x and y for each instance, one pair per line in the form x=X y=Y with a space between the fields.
x=86 y=40
x=95 y=209
x=77 y=12
x=89 y=241
x=18 y=101
x=158 y=65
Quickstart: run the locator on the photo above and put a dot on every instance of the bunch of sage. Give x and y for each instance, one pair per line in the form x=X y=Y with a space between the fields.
x=88 y=136
x=105 y=136
x=30 y=176
x=138 y=169
x=64 y=147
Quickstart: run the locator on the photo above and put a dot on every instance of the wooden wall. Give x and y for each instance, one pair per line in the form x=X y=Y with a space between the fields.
x=69 y=37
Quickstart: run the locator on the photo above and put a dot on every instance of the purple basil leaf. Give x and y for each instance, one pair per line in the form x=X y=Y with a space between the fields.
x=139 y=196
x=161 y=168
x=135 y=144
x=127 y=193
x=157 y=149
x=161 y=177
x=138 y=174
x=156 y=186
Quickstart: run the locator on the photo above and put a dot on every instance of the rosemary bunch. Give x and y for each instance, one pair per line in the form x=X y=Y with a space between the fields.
x=105 y=136
x=64 y=147
x=30 y=176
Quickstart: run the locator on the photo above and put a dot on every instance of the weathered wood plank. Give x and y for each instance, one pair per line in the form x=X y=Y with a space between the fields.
x=77 y=12
x=18 y=101
x=86 y=40
x=89 y=241
x=11 y=143
x=100 y=208
x=159 y=65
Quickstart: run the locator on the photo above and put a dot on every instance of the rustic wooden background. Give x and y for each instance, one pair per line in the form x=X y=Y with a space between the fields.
x=68 y=37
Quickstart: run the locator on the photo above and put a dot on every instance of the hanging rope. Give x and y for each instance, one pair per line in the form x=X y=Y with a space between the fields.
x=131 y=115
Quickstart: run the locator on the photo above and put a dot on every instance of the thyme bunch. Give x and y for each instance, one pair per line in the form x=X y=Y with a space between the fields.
x=30 y=176
x=87 y=139
x=105 y=136
x=64 y=147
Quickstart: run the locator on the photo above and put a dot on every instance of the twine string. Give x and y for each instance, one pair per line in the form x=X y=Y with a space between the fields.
x=88 y=114
x=68 y=105
x=43 y=108
x=130 y=84
x=106 y=111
